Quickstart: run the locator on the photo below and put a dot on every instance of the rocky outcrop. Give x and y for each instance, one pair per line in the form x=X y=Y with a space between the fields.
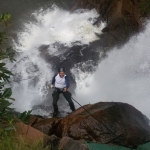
x=109 y=123
x=70 y=144
x=116 y=123
x=65 y=143
x=46 y=125
x=29 y=135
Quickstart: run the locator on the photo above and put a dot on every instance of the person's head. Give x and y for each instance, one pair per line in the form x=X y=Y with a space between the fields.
x=61 y=72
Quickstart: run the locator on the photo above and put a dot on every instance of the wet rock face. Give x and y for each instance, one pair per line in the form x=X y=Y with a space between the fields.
x=117 y=123
x=68 y=143
x=113 y=11
x=44 y=125
x=110 y=123
x=122 y=18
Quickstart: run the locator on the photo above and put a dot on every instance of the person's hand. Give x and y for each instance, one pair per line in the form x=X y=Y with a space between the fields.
x=52 y=86
x=65 y=89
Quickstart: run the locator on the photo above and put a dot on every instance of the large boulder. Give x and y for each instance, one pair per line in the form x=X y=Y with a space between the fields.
x=104 y=122
x=109 y=122
x=46 y=125
x=68 y=143
x=65 y=143
x=29 y=135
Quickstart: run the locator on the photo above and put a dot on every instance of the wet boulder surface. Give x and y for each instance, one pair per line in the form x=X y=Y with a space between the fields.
x=108 y=122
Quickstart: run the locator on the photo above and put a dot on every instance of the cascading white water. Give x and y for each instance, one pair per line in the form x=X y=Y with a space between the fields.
x=52 y=25
x=124 y=76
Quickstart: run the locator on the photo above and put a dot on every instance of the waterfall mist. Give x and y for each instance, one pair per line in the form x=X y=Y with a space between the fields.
x=53 y=28
x=123 y=76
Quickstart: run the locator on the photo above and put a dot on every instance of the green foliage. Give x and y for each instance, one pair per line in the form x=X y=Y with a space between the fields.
x=5 y=19
x=6 y=118
x=145 y=7
x=4 y=22
x=11 y=142
x=4 y=74
x=7 y=140
x=25 y=116
x=7 y=54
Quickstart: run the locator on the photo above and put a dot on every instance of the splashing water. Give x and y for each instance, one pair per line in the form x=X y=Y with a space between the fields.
x=123 y=76
x=52 y=25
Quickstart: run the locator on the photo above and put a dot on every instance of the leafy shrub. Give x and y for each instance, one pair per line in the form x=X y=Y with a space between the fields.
x=6 y=117
x=25 y=116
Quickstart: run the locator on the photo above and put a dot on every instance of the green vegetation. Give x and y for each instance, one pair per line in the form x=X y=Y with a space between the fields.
x=25 y=116
x=8 y=140
x=6 y=118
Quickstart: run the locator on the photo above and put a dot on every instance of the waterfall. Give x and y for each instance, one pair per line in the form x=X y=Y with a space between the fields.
x=123 y=76
x=50 y=29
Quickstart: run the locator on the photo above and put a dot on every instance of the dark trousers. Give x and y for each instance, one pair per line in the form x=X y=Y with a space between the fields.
x=67 y=96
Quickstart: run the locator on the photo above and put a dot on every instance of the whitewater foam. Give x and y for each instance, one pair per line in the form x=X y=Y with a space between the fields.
x=51 y=26
x=123 y=76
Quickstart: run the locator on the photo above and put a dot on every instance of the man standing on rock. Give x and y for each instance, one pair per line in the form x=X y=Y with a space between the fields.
x=61 y=83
